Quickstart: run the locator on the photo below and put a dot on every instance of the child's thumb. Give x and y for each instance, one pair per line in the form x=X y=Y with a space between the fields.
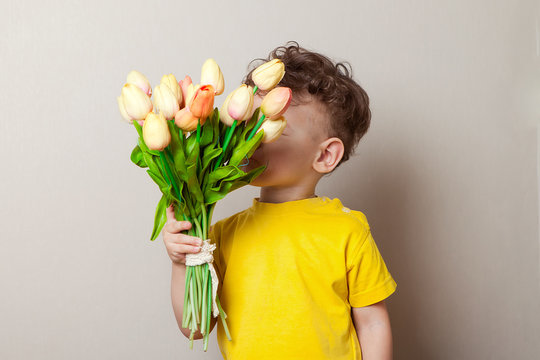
x=170 y=213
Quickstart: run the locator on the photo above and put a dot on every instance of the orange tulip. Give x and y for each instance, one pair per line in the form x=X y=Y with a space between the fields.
x=185 y=120
x=202 y=102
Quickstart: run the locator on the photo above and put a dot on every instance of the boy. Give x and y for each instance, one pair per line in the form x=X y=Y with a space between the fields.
x=300 y=275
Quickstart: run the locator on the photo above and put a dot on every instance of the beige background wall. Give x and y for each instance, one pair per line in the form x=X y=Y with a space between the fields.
x=447 y=174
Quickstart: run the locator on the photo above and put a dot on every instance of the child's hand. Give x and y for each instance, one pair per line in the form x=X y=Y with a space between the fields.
x=177 y=244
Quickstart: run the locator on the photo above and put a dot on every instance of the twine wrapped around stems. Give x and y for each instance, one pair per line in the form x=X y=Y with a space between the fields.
x=202 y=257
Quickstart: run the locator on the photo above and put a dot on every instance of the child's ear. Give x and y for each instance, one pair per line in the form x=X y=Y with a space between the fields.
x=329 y=155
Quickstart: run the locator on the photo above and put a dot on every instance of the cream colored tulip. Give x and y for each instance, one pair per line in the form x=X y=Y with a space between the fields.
x=165 y=101
x=269 y=74
x=136 y=103
x=224 y=112
x=171 y=82
x=156 y=133
x=136 y=78
x=123 y=112
x=272 y=129
x=211 y=75
x=241 y=103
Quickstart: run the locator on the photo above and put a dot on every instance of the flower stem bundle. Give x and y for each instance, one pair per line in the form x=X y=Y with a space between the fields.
x=194 y=153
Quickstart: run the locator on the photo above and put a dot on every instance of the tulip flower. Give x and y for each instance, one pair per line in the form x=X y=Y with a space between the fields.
x=201 y=103
x=269 y=74
x=156 y=133
x=123 y=112
x=276 y=102
x=165 y=101
x=224 y=112
x=191 y=90
x=272 y=129
x=211 y=75
x=240 y=104
x=185 y=120
x=134 y=103
x=171 y=82
x=139 y=80
x=184 y=84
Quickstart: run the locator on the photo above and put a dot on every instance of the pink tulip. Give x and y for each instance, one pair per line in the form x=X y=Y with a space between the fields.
x=276 y=102
x=184 y=84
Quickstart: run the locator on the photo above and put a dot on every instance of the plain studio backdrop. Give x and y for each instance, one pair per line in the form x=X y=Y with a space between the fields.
x=447 y=175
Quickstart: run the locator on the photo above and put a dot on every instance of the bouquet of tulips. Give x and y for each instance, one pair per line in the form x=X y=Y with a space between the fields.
x=195 y=153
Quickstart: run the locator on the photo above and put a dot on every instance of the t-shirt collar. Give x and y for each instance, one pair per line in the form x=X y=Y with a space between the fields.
x=287 y=207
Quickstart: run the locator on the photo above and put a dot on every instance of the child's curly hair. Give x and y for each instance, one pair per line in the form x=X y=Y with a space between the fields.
x=308 y=72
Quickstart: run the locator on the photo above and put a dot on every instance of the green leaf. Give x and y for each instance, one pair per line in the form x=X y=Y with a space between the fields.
x=213 y=195
x=157 y=178
x=138 y=127
x=209 y=155
x=225 y=173
x=137 y=157
x=153 y=164
x=207 y=133
x=177 y=149
x=246 y=179
x=160 y=218
x=246 y=149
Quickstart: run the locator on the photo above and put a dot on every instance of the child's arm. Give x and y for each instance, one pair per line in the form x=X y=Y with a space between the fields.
x=374 y=332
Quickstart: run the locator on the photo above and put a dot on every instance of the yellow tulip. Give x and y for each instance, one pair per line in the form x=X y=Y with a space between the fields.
x=156 y=133
x=165 y=101
x=276 y=102
x=269 y=74
x=171 y=82
x=224 y=116
x=272 y=129
x=211 y=75
x=136 y=78
x=241 y=103
x=136 y=103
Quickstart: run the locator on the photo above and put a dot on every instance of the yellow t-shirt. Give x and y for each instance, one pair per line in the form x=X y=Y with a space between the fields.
x=290 y=273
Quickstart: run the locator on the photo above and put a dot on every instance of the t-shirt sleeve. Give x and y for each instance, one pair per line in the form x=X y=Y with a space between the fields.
x=367 y=276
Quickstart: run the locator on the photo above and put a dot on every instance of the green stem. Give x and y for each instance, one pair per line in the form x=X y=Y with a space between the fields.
x=193 y=299
x=255 y=89
x=204 y=222
x=208 y=310
x=170 y=178
x=223 y=316
x=184 y=315
x=256 y=127
x=205 y=298
x=228 y=136
x=168 y=153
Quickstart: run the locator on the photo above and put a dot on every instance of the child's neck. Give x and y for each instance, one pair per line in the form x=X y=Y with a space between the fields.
x=271 y=194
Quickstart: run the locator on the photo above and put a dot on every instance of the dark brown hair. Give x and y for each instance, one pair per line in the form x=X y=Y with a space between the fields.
x=346 y=103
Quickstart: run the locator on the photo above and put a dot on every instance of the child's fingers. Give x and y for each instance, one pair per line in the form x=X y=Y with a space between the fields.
x=184 y=239
x=185 y=249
